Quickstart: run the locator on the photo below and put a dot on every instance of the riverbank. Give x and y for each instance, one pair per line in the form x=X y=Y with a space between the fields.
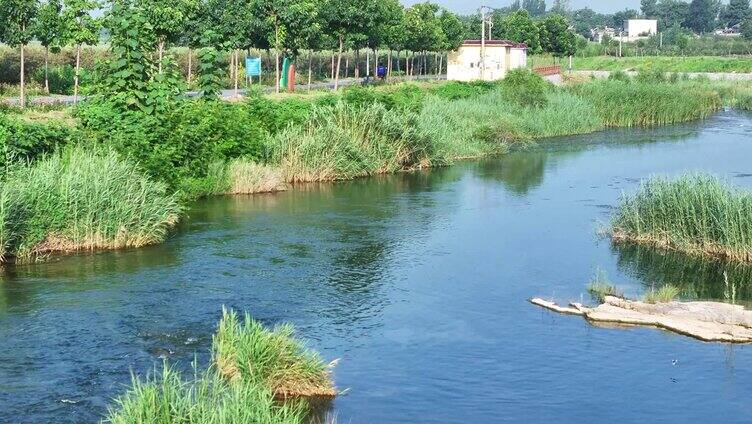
x=199 y=148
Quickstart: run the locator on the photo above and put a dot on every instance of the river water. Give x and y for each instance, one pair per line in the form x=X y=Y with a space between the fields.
x=418 y=282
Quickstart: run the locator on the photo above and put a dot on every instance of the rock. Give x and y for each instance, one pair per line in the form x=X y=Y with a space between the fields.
x=707 y=321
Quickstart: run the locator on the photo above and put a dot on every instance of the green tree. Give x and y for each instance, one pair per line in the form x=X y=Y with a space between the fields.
x=736 y=12
x=649 y=8
x=621 y=17
x=48 y=30
x=18 y=17
x=520 y=27
x=167 y=18
x=746 y=28
x=556 y=38
x=672 y=12
x=423 y=29
x=702 y=15
x=561 y=7
x=347 y=19
x=80 y=28
x=453 y=35
x=535 y=7
x=293 y=24
x=584 y=20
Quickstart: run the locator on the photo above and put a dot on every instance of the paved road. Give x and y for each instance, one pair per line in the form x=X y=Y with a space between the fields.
x=226 y=94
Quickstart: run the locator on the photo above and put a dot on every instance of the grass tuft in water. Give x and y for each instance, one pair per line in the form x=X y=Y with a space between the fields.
x=600 y=286
x=246 y=352
x=695 y=214
x=166 y=398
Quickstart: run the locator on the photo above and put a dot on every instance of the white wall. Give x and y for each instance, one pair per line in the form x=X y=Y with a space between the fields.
x=464 y=64
x=638 y=27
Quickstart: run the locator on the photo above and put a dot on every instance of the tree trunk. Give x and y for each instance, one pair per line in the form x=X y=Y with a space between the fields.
x=276 y=70
x=23 y=77
x=310 y=69
x=441 y=67
x=47 y=69
x=339 y=62
x=161 y=54
x=236 y=68
x=389 y=65
x=399 y=65
x=347 y=67
x=357 y=63
x=375 y=63
x=332 y=65
x=78 y=71
x=190 y=66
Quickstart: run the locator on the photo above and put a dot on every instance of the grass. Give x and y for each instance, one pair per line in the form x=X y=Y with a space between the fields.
x=665 y=63
x=600 y=287
x=246 y=352
x=633 y=103
x=257 y=376
x=665 y=294
x=79 y=199
x=696 y=214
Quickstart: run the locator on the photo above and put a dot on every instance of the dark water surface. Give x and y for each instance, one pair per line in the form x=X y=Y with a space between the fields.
x=418 y=282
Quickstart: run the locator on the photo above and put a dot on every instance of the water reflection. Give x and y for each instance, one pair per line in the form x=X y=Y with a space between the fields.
x=698 y=278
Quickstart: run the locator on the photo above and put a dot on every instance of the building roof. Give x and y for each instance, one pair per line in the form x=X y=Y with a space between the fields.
x=499 y=43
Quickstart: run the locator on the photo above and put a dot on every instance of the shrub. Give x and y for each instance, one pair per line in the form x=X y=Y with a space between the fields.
x=81 y=200
x=525 y=88
x=25 y=142
x=665 y=294
x=619 y=76
x=61 y=79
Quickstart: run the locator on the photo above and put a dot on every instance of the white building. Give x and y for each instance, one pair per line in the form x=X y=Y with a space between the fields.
x=640 y=28
x=501 y=56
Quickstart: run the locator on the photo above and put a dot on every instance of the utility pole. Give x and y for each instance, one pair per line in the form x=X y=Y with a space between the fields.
x=483 y=18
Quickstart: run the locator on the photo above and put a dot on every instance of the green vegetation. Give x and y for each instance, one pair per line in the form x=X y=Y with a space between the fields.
x=665 y=294
x=697 y=214
x=245 y=352
x=79 y=199
x=665 y=64
x=258 y=376
x=600 y=287
x=626 y=104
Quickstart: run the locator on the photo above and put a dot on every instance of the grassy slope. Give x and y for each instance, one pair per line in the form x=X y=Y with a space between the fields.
x=665 y=63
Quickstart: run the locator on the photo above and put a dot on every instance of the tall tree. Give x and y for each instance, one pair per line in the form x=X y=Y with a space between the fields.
x=423 y=28
x=671 y=13
x=167 y=18
x=18 y=17
x=649 y=8
x=49 y=32
x=347 y=19
x=453 y=35
x=561 y=7
x=556 y=38
x=702 y=15
x=520 y=27
x=535 y=7
x=80 y=28
x=737 y=11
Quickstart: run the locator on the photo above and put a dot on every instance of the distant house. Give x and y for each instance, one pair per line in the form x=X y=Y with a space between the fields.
x=634 y=29
x=501 y=56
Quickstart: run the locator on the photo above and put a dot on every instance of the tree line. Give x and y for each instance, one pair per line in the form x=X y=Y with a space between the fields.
x=287 y=27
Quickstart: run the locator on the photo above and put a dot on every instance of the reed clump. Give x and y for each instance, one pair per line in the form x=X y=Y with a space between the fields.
x=207 y=398
x=257 y=376
x=246 y=352
x=646 y=103
x=696 y=214
x=80 y=199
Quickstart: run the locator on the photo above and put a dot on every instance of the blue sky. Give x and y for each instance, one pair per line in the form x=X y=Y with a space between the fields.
x=469 y=6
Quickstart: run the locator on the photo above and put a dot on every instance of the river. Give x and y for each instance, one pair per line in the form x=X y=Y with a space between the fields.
x=418 y=282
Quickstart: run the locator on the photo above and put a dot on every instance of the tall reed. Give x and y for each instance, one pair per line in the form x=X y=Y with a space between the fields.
x=697 y=214
x=79 y=199
x=633 y=103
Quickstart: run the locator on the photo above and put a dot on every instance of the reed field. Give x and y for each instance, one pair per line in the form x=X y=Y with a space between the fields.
x=257 y=376
x=695 y=214
x=730 y=64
